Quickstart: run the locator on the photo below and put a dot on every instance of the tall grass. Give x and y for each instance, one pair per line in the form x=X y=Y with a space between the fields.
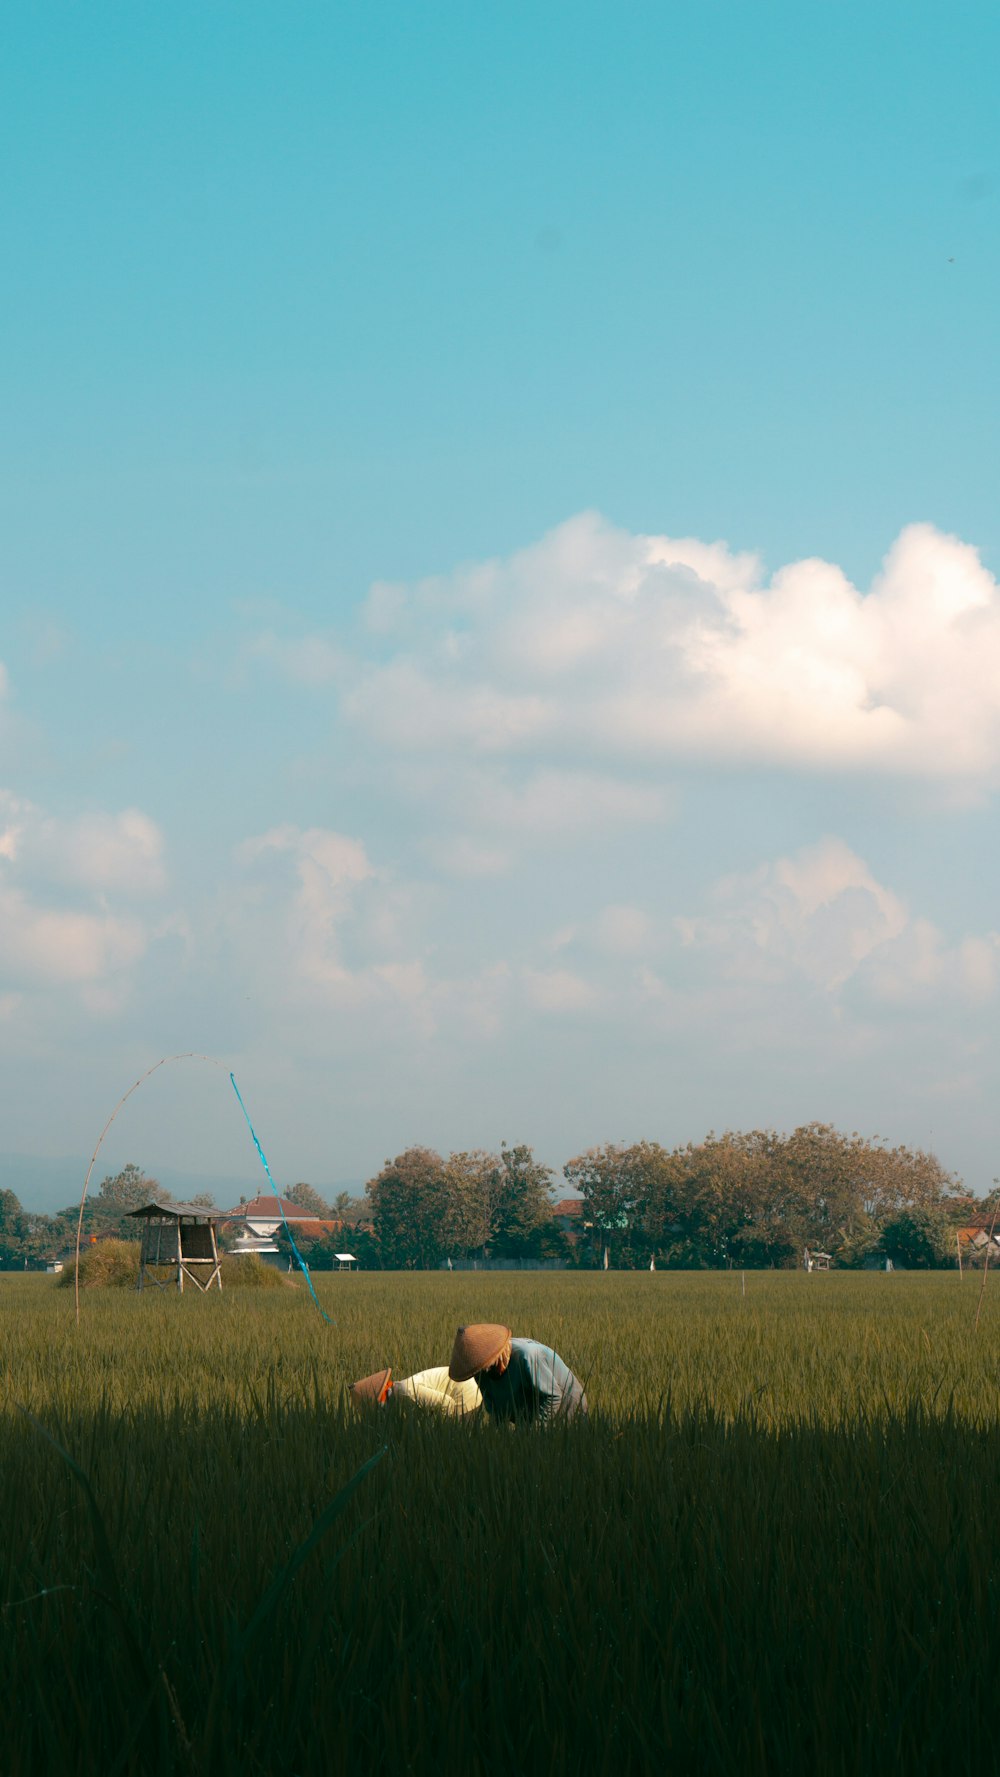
x=770 y=1548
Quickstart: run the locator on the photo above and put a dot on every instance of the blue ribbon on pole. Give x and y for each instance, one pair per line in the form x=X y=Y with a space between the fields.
x=303 y=1267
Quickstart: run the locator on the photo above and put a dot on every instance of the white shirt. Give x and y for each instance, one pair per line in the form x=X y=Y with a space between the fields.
x=435 y=1388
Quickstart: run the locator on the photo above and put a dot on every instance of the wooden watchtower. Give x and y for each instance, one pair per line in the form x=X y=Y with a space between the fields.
x=178 y=1238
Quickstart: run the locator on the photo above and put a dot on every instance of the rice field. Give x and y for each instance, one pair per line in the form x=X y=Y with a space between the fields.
x=770 y=1549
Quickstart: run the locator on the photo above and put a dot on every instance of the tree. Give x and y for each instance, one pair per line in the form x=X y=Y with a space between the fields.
x=13 y=1227
x=919 y=1238
x=473 y=1186
x=728 y=1201
x=497 y=1201
x=306 y=1198
x=363 y=1245
x=409 y=1203
x=125 y=1190
x=522 y=1208
x=129 y=1189
x=852 y=1187
x=891 y=1179
x=615 y=1184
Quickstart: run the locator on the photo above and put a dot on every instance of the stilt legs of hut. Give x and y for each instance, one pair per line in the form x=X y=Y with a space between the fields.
x=180 y=1245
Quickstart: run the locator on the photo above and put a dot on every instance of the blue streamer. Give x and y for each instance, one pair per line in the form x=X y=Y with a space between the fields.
x=303 y=1267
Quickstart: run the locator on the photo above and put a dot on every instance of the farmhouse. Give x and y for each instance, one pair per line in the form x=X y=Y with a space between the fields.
x=569 y=1218
x=261 y=1220
x=979 y=1239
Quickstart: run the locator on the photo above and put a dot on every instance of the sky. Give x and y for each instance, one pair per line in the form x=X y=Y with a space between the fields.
x=499 y=553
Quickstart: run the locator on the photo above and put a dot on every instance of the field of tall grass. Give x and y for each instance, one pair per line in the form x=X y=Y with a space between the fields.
x=770 y=1549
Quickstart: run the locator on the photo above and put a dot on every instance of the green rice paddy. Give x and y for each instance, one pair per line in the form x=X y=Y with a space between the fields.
x=771 y=1548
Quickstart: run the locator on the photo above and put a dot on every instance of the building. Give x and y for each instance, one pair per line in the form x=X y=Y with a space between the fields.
x=568 y=1215
x=979 y=1239
x=257 y=1224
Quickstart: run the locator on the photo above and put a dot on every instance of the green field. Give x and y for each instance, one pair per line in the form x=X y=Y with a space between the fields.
x=770 y=1549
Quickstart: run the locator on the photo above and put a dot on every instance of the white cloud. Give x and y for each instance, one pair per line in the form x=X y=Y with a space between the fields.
x=14 y=814
x=47 y=944
x=329 y=868
x=405 y=704
x=629 y=647
x=56 y=877
x=317 y=928
x=551 y=802
x=321 y=856
x=463 y=857
x=617 y=931
x=112 y=853
x=822 y=912
x=823 y=916
x=312 y=660
x=502 y=811
x=557 y=990
x=121 y=853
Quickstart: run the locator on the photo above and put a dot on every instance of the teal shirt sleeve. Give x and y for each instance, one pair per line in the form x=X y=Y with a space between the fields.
x=555 y=1390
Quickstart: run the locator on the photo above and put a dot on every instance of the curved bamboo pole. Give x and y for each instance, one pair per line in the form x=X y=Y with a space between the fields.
x=188 y=1055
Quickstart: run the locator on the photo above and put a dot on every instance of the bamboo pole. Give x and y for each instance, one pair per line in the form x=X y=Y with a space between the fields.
x=986 y=1266
x=188 y=1055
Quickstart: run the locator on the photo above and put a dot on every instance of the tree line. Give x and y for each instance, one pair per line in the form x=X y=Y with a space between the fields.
x=29 y=1236
x=756 y=1199
x=745 y=1199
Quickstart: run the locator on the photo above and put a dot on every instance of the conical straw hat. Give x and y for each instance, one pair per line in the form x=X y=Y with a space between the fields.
x=371 y=1390
x=475 y=1349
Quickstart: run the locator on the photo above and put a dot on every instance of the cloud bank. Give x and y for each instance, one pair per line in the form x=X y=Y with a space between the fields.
x=483 y=874
x=822 y=916
x=67 y=893
x=599 y=645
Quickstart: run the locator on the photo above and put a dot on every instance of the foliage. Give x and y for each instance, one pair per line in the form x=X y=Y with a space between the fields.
x=306 y=1198
x=13 y=1228
x=918 y=1239
x=362 y=1244
x=129 y=1189
x=747 y=1199
x=754 y=1199
x=498 y=1203
x=121 y=1192
x=472 y=1184
x=346 y=1208
x=409 y=1207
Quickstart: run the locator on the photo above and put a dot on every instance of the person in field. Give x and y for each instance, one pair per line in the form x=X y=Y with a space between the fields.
x=428 y=1388
x=521 y=1382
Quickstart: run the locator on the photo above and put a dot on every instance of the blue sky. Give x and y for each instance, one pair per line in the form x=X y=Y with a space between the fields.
x=419 y=687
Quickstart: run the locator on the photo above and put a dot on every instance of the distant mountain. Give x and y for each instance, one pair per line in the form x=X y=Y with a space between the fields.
x=51 y=1184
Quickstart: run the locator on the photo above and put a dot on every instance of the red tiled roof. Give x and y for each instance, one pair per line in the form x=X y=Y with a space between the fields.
x=985 y=1220
x=568 y=1206
x=301 y=1221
